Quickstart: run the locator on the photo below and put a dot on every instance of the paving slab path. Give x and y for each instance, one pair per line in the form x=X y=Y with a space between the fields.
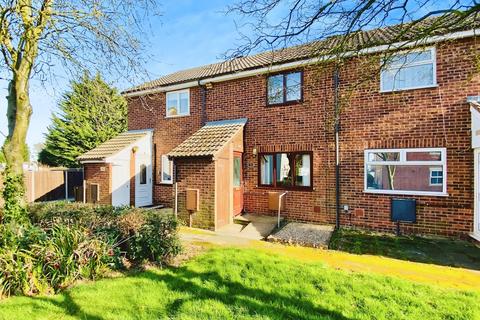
x=447 y=277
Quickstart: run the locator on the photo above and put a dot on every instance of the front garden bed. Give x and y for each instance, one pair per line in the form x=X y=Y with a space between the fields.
x=65 y=242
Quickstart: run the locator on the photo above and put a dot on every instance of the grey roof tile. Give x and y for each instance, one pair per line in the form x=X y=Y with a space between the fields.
x=112 y=146
x=354 y=41
x=209 y=139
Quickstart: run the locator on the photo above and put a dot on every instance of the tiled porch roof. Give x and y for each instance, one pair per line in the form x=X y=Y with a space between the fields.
x=209 y=139
x=112 y=146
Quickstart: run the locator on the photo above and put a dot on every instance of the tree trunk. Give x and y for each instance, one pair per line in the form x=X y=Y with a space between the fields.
x=19 y=111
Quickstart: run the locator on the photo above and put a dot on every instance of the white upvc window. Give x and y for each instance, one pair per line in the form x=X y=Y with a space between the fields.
x=419 y=171
x=178 y=103
x=414 y=69
x=167 y=170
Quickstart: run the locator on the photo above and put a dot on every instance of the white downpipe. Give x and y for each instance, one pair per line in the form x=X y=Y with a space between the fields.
x=280 y=207
x=176 y=200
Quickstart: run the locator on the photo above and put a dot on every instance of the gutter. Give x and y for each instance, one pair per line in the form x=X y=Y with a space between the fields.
x=304 y=62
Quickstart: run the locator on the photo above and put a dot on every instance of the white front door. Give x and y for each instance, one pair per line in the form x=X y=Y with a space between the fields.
x=476 y=228
x=121 y=183
x=143 y=180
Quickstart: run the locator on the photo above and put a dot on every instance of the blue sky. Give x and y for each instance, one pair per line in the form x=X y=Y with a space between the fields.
x=189 y=33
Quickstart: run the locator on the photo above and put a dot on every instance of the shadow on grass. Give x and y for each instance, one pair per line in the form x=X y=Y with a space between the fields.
x=69 y=306
x=234 y=295
x=439 y=251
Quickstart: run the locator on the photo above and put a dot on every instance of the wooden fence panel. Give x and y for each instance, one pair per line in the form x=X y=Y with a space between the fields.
x=49 y=184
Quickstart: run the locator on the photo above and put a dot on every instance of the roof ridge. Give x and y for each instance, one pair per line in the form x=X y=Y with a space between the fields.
x=354 y=41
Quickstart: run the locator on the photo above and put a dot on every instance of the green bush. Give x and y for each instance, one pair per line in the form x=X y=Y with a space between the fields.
x=149 y=236
x=36 y=261
x=66 y=242
x=138 y=234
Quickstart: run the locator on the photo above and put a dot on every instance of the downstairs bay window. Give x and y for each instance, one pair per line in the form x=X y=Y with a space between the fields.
x=406 y=171
x=285 y=170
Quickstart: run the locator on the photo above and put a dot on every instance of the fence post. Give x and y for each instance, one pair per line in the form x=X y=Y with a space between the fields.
x=84 y=191
x=32 y=186
x=66 y=184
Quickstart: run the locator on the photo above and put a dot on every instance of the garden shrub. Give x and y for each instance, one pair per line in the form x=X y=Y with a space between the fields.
x=149 y=236
x=66 y=242
x=138 y=234
x=36 y=261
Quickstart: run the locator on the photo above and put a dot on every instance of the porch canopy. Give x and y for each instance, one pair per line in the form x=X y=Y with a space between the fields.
x=209 y=140
x=111 y=147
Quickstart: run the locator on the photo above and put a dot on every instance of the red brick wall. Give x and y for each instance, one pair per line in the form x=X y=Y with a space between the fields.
x=94 y=174
x=149 y=112
x=435 y=117
x=198 y=173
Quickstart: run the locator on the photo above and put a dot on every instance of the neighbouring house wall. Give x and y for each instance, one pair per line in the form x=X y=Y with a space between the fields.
x=433 y=117
x=94 y=174
x=436 y=117
x=197 y=173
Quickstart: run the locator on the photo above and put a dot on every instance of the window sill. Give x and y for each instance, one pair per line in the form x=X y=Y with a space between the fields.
x=406 y=193
x=412 y=88
x=177 y=116
x=288 y=103
x=162 y=183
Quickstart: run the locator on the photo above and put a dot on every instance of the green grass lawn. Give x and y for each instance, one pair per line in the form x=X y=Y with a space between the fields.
x=446 y=252
x=248 y=284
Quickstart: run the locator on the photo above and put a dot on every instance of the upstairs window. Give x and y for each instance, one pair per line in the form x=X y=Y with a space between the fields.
x=411 y=70
x=167 y=170
x=286 y=170
x=284 y=88
x=406 y=171
x=178 y=103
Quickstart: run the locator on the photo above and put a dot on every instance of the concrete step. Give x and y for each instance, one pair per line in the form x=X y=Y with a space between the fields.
x=248 y=217
x=251 y=226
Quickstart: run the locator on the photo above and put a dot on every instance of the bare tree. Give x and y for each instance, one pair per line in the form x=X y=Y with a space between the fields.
x=36 y=35
x=274 y=24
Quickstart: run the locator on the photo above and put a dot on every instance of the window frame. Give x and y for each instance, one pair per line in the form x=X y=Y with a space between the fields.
x=163 y=156
x=434 y=169
x=284 y=81
x=177 y=92
x=403 y=161
x=274 y=174
x=433 y=61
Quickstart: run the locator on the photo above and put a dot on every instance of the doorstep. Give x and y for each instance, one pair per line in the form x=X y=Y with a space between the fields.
x=475 y=236
x=256 y=227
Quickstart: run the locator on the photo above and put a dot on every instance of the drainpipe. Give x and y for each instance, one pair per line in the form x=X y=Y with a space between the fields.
x=203 y=89
x=336 y=80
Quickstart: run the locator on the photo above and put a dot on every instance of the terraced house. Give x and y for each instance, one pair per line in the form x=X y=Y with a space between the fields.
x=361 y=142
